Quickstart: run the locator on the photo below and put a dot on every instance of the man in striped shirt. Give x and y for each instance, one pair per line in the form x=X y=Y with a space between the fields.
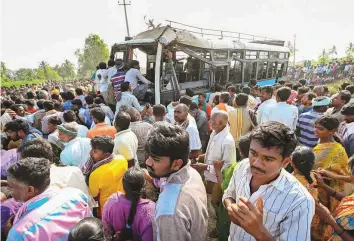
x=305 y=125
x=263 y=200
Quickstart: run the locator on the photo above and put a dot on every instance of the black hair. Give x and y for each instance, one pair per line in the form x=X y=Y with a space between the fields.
x=55 y=96
x=169 y=141
x=303 y=90
x=18 y=125
x=185 y=99
x=345 y=96
x=159 y=110
x=194 y=106
x=111 y=63
x=283 y=93
x=122 y=121
x=133 y=63
x=252 y=83
x=232 y=89
x=325 y=89
x=54 y=120
x=31 y=171
x=216 y=99
x=98 y=114
x=77 y=102
x=303 y=159
x=302 y=81
x=268 y=89
x=350 y=88
x=30 y=95
x=69 y=116
x=125 y=86
x=30 y=102
x=225 y=97
x=344 y=85
x=38 y=148
x=58 y=105
x=70 y=95
x=328 y=122
x=241 y=99
x=218 y=88
x=275 y=134
x=89 y=99
x=88 y=229
x=98 y=101
x=290 y=85
x=348 y=109
x=48 y=105
x=203 y=94
x=282 y=82
x=104 y=143
x=296 y=86
x=79 y=91
x=133 y=184
x=7 y=103
x=246 y=90
x=16 y=107
x=244 y=144
x=40 y=104
x=189 y=92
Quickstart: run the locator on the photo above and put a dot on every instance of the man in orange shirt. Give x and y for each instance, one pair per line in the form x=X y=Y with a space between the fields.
x=101 y=127
x=203 y=105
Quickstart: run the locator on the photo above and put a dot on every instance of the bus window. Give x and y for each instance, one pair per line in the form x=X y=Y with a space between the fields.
x=250 y=71
x=280 y=69
x=262 y=70
x=263 y=55
x=220 y=55
x=274 y=55
x=238 y=55
x=281 y=55
x=271 y=65
x=251 y=55
x=235 y=71
x=119 y=55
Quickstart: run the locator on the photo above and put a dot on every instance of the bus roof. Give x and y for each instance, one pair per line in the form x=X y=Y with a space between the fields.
x=167 y=35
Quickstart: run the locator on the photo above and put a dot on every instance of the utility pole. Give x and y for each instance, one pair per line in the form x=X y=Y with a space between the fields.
x=294 y=48
x=126 y=16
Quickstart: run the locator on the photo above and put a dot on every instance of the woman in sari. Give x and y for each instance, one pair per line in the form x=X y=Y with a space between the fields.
x=341 y=226
x=330 y=156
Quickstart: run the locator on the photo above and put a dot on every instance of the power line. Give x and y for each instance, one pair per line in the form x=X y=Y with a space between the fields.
x=126 y=16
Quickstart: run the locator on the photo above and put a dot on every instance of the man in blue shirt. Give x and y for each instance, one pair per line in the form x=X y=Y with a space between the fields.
x=20 y=129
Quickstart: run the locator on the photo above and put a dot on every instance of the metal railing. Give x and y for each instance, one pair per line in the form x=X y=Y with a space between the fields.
x=218 y=33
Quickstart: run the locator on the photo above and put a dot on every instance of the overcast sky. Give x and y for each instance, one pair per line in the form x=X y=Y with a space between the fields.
x=36 y=30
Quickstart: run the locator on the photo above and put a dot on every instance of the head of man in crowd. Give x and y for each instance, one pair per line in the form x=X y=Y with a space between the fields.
x=241 y=100
x=181 y=113
x=318 y=90
x=202 y=98
x=38 y=148
x=219 y=120
x=283 y=94
x=266 y=93
x=341 y=98
x=348 y=112
x=125 y=87
x=271 y=146
x=19 y=110
x=159 y=112
x=122 y=121
x=321 y=104
x=134 y=64
x=69 y=116
x=102 y=147
x=42 y=95
x=306 y=100
x=301 y=91
x=67 y=131
x=17 y=129
x=98 y=115
x=224 y=97
x=134 y=114
x=350 y=88
x=48 y=105
x=168 y=150
x=187 y=100
x=28 y=178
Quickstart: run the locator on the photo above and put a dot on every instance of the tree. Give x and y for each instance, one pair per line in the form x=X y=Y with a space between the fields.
x=291 y=48
x=43 y=65
x=66 y=70
x=25 y=74
x=333 y=51
x=94 y=52
x=150 y=23
x=350 y=49
x=323 y=58
x=3 y=71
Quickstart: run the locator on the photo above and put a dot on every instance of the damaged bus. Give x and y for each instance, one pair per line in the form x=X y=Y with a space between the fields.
x=178 y=59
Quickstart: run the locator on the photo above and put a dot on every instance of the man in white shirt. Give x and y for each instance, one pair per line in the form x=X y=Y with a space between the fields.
x=134 y=75
x=181 y=118
x=267 y=102
x=221 y=147
x=127 y=98
x=102 y=78
x=281 y=111
x=263 y=200
x=125 y=141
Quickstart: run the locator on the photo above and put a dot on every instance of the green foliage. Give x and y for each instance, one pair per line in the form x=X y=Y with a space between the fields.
x=66 y=70
x=94 y=52
x=19 y=83
x=3 y=71
x=336 y=86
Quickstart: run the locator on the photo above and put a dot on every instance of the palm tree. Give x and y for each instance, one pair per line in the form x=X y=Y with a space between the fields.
x=350 y=48
x=43 y=65
x=291 y=48
x=333 y=51
x=150 y=23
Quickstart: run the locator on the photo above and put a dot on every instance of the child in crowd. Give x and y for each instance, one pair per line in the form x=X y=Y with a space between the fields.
x=87 y=229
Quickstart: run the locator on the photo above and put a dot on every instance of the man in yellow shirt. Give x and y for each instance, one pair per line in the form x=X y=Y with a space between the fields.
x=104 y=171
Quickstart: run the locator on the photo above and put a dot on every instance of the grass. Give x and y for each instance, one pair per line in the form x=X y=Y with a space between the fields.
x=336 y=86
x=18 y=83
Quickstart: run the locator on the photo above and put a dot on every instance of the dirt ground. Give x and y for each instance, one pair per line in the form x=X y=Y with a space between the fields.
x=212 y=221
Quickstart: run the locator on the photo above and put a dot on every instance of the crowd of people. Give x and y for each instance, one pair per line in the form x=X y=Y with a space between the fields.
x=323 y=73
x=86 y=161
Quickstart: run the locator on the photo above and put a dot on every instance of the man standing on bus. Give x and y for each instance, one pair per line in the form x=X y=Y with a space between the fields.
x=133 y=76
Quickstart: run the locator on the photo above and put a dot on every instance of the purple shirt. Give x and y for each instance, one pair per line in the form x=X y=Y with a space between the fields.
x=116 y=212
x=7 y=159
x=9 y=208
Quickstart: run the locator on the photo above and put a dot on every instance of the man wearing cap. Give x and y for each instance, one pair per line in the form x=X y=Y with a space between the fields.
x=77 y=149
x=305 y=125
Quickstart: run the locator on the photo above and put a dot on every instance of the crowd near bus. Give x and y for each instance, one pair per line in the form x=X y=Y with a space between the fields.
x=88 y=160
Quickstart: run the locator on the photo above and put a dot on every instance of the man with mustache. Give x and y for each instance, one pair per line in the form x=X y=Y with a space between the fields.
x=181 y=211
x=263 y=200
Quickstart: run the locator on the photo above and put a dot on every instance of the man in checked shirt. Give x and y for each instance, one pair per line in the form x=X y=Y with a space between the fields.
x=263 y=200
